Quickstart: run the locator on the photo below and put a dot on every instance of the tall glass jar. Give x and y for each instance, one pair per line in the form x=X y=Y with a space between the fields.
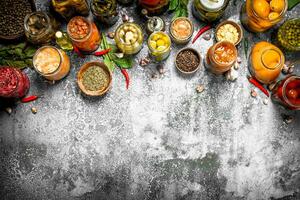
x=13 y=83
x=84 y=34
x=70 y=8
x=51 y=63
x=40 y=27
x=287 y=92
x=221 y=57
x=209 y=10
x=261 y=15
x=266 y=62
x=154 y=7
x=159 y=44
x=105 y=11
x=129 y=38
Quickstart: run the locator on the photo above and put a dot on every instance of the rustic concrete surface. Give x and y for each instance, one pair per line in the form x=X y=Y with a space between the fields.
x=158 y=140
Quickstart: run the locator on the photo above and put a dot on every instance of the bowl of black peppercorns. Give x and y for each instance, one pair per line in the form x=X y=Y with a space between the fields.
x=188 y=61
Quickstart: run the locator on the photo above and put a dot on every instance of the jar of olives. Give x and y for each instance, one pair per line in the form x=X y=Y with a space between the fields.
x=70 y=8
x=261 y=15
x=129 y=38
x=105 y=11
x=154 y=7
x=289 y=35
x=209 y=10
x=39 y=27
x=159 y=44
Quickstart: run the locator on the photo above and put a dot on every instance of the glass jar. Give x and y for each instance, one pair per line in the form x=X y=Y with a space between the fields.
x=154 y=7
x=13 y=83
x=209 y=10
x=289 y=35
x=159 y=44
x=39 y=27
x=266 y=62
x=84 y=34
x=261 y=15
x=129 y=38
x=51 y=63
x=287 y=92
x=181 y=30
x=70 y=8
x=221 y=57
x=105 y=11
x=155 y=24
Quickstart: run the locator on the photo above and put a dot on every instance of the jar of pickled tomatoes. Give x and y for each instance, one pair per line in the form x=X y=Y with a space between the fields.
x=266 y=62
x=84 y=34
x=261 y=15
x=154 y=7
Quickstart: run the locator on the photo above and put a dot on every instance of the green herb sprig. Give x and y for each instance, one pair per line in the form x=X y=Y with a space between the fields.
x=292 y=4
x=179 y=7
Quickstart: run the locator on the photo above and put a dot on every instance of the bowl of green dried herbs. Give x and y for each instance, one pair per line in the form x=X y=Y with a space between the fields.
x=94 y=78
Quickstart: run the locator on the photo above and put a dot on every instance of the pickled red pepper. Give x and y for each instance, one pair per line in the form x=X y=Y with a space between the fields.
x=126 y=75
x=29 y=99
x=103 y=52
x=258 y=85
x=200 y=32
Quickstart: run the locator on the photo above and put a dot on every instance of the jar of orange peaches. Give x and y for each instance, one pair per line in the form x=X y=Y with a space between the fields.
x=267 y=60
x=260 y=15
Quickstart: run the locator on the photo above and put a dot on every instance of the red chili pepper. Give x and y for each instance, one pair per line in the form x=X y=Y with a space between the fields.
x=200 y=32
x=29 y=99
x=103 y=52
x=76 y=50
x=258 y=85
x=125 y=74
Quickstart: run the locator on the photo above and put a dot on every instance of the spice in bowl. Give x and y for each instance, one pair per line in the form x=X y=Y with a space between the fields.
x=188 y=61
x=229 y=31
x=181 y=30
x=94 y=78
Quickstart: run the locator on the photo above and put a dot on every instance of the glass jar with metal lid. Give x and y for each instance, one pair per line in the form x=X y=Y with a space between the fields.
x=209 y=10
x=70 y=8
x=155 y=24
x=105 y=11
x=129 y=38
x=39 y=27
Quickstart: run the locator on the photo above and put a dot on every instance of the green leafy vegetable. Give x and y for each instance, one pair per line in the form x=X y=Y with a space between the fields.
x=292 y=4
x=179 y=7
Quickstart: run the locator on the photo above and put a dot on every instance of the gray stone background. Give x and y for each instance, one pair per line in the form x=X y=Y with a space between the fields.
x=158 y=140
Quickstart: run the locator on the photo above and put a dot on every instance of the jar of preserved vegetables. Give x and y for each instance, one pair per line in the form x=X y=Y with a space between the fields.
x=260 y=15
x=154 y=7
x=39 y=27
x=70 y=8
x=289 y=35
x=159 y=44
x=209 y=10
x=129 y=38
x=105 y=11
x=84 y=34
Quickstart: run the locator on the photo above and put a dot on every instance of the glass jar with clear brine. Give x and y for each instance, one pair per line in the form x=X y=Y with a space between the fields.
x=209 y=10
x=105 y=11
x=70 y=8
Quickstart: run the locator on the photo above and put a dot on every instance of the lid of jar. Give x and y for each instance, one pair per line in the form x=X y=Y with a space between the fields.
x=155 y=24
x=212 y=5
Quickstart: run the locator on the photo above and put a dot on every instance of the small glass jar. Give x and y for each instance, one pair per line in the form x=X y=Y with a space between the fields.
x=181 y=30
x=129 y=38
x=266 y=62
x=51 y=63
x=154 y=7
x=159 y=44
x=84 y=34
x=13 y=83
x=39 y=27
x=261 y=15
x=105 y=11
x=155 y=24
x=70 y=8
x=221 y=57
x=289 y=35
x=287 y=92
x=209 y=10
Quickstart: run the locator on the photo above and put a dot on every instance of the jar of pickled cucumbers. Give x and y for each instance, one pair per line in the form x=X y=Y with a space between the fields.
x=289 y=35
x=154 y=7
x=70 y=8
x=209 y=10
x=261 y=15
x=159 y=44
x=129 y=38
x=105 y=11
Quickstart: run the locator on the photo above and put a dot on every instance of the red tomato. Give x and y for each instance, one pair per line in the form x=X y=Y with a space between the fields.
x=150 y=2
x=292 y=94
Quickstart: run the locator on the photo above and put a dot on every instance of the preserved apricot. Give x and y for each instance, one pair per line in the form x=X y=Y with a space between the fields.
x=261 y=8
x=277 y=5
